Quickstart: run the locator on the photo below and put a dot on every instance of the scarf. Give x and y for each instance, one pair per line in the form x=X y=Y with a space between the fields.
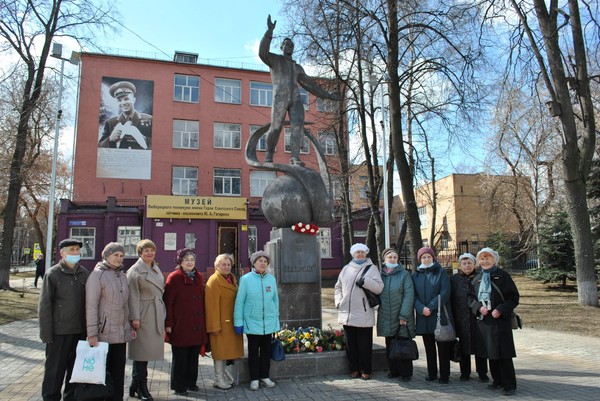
x=423 y=267
x=190 y=274
x=359 y=262
x=485 y=288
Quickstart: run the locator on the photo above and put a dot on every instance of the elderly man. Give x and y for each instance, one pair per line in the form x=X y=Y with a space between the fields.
x=62 y=319
x=286 y=74
x=130 y=129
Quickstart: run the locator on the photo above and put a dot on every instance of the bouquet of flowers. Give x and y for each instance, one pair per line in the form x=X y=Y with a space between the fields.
x=302 y=228
x=311 y=339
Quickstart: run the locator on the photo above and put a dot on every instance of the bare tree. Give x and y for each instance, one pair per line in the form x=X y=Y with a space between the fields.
x=27 y=29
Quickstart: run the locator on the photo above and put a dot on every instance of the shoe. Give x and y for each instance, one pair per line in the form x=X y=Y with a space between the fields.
x=181 y=393
x=509 y=392
x=193 y=388
x=484 y=378
x=494 y=386
x=444 y=381
x=406 y=378
x=365 y=376
x=354 y=374
x=268 y=382
x=254 y=385
x=465 y=378
x=430 y=378
x=393 y=375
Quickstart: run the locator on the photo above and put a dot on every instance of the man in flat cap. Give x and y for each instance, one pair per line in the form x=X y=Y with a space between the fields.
x=61 y=312
x=130 y=129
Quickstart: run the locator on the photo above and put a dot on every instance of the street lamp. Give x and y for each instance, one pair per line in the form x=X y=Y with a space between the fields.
x=386 y=213
x=56 y=53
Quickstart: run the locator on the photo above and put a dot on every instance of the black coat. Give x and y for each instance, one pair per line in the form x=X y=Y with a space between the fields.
x=494 y=336
x=465 y=322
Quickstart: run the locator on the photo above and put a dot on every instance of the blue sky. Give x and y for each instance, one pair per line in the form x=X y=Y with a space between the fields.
x=222 y=29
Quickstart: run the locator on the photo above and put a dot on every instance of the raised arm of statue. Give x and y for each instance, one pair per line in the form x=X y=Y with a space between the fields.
x=265 y=43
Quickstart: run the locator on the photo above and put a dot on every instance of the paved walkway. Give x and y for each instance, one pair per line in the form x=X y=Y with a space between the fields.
x=550 y=366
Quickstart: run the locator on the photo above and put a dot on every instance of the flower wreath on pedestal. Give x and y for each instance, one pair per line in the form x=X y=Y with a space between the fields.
x=302 y=228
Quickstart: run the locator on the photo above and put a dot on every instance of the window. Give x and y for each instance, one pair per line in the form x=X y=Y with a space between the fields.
x=304 y=98
x=286 y=142
x=228 y=136
x=423 y=216
x=401 y=217
x=262 y=142
x=252 y=239
x=326 y=105
x=324 y=238
x=227 y=181
x=185 y=134
x=129 y=236
x=261 y=94
x=185 y=181
x=228 y=91
x=187 y=88
x=181 y=57
x=336 y=187
x=328 y=145
x=88 y=237
x=393 y=229
x=444 y=243
x=259 y=181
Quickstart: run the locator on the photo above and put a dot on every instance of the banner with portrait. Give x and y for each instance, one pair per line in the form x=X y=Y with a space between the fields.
x=125 y=129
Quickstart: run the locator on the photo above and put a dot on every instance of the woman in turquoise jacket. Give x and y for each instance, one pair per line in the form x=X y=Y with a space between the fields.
x=256 y=313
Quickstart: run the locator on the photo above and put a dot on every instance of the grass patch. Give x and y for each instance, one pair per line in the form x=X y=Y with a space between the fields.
x=541 y=307
x=19 y=304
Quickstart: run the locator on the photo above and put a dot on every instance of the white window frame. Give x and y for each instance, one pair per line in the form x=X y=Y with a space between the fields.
x=230 y=179
x=324 y=238
x=261 y=94
x=187 y=91
x=423 y=216
x=326 y=105
x=259 y=180
x=252 y=239
x=186 y=182
x=87 y=235
x=305 y=98
x=262 y=142
x=327 y=140
x=227 y=136
x=129 y=236
x=186 y=134
x=304 y=149
x=228 y=91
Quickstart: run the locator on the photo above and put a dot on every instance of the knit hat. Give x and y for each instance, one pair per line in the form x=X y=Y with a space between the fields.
x=111 y=248
x=358 y=247
x=466 y=256
x=388 y=250
x=257 y=255
x=425 y=250
x=68 y=242
x=491 y=252
x=182 y=253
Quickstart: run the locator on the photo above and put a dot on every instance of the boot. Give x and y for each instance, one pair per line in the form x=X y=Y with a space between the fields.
x=133 y=388
x=143 y=392
x=228 y=378
x=220 y=381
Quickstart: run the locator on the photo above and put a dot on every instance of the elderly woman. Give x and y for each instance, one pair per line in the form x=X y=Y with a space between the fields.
x=225 y=344
x=354 y=312
x=395 y=315
x=464 y=320
x=185 y=324
x=492 y=298
x=147 y=315
x=256 y=313
x=107 y=312
x=430 y=281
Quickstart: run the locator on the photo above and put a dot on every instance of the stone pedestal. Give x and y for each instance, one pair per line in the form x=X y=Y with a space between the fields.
x=296 y=264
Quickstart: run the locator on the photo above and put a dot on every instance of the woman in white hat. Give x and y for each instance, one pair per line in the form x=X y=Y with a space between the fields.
x=354 y=312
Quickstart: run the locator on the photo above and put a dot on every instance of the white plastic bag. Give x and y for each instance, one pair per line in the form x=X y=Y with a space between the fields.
x=90 y=363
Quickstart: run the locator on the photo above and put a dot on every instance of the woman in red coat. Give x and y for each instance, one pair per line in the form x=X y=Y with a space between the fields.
x=185 y=325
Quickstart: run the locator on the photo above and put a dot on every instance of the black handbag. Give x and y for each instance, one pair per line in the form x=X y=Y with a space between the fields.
x=515 y=320
x=403 y=349
x=372 y=299
x=95 y=392
x=455 y=353
x=277 y=351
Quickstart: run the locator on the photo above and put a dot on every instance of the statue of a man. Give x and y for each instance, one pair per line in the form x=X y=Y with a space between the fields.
x=286 y=74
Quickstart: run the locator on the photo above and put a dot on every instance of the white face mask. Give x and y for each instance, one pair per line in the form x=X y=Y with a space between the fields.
x=72 y=259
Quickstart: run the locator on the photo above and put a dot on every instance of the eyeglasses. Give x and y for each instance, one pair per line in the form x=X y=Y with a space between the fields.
x=189 y=259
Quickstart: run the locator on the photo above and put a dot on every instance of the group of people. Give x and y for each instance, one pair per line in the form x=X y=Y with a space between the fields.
x=477 y=303
x=137 y=310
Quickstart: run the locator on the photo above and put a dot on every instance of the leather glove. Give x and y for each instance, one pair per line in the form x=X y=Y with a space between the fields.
x=360 y=282
x=239 y=330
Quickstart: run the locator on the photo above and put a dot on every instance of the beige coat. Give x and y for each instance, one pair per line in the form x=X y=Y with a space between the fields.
x=146 y=286
x=220 y=300
x=106 y=305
